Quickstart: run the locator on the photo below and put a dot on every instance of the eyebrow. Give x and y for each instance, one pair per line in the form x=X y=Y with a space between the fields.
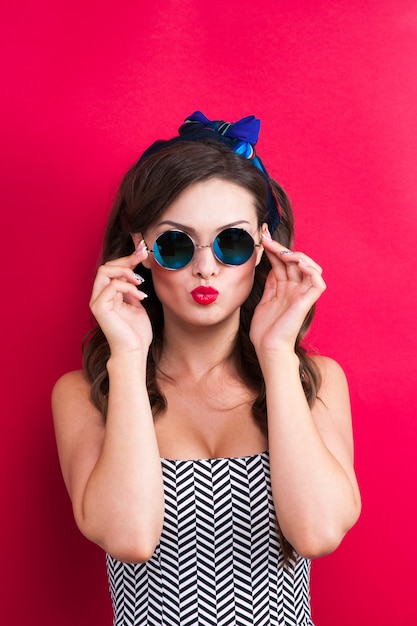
x=190 y=229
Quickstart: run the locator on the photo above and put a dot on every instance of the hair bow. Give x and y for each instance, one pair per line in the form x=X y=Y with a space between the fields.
x=245 y=131
x=241 y=137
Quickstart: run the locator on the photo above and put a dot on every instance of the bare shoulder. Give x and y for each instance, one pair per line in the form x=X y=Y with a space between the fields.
x=70 y=382
x=333 y=378
x=328 y=367
x=71 y=403
x=71 y=398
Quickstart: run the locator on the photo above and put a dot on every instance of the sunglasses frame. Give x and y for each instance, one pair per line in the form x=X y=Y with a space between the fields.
x=196 y=245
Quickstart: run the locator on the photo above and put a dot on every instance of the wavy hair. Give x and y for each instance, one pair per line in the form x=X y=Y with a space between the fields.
x=146 y=190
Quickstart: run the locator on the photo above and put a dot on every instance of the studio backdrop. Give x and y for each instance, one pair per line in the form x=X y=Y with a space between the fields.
x=86 y=87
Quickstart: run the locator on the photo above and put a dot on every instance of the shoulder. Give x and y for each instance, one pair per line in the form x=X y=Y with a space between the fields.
x=329 y=369
x=71 y=401
x=71 y=379
x=333 y=398
x=70 y=383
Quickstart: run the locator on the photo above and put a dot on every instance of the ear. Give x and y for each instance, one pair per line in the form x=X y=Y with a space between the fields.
x=137 y=238
x=260 y=250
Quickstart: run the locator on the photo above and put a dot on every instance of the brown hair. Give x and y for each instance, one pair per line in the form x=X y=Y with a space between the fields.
x=146 y=190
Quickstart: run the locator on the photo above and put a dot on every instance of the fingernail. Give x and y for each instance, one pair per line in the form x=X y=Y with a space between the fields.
x=266 y=235
x=140 y=247
x=138 y=277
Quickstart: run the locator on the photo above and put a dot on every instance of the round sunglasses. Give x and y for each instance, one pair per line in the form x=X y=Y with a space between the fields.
x=174 y=249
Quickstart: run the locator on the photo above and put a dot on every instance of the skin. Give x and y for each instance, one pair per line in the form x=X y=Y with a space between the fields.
x=112 y=470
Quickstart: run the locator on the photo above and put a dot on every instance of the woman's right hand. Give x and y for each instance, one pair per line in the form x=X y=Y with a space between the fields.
x=116 y=304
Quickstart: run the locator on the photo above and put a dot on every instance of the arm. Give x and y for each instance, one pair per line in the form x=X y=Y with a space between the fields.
x=112 y=468
x=314 y=487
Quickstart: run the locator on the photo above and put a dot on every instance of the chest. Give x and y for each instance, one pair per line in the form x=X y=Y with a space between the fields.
x=204 y=421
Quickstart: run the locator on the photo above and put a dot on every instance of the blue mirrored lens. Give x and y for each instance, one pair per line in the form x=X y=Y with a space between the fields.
x=233 y=246
x=173 y=249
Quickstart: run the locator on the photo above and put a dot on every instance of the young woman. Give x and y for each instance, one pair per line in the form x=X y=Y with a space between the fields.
x=203 y=449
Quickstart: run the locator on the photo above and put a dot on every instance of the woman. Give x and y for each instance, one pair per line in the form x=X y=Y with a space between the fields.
x=203 y=449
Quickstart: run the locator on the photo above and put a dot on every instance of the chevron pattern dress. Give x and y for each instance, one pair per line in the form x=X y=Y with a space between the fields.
x=218 y=561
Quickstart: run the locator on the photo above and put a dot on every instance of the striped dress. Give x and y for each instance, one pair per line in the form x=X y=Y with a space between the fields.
x=218 y=561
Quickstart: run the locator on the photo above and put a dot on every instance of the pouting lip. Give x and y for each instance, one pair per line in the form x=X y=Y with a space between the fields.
x=205 y=291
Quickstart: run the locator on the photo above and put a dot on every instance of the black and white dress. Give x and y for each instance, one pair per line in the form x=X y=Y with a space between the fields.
x=219 y=560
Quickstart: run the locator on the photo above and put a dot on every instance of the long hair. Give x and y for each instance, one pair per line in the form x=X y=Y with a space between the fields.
x=146 y=190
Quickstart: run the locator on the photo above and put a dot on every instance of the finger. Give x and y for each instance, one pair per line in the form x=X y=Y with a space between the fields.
x=308 y=261
x=136 y=298
x=287 y=256
x=116 y=271
x=115 y=288
x=272 y=250
x=123 y=267
x=118 y=288
x=284 y=267
x=108 y=272
x=131 y=260
x=312 y=277
x=293 y=260
x=295 y=256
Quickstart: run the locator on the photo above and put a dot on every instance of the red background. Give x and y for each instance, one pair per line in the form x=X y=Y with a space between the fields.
x=87 y=85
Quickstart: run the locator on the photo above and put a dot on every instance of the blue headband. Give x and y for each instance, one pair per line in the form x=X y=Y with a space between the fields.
x=240 y=137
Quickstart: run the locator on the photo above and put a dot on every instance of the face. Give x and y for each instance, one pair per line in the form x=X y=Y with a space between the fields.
x=205 y=291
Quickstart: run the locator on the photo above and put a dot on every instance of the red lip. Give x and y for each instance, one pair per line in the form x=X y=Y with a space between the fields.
x=204 y=295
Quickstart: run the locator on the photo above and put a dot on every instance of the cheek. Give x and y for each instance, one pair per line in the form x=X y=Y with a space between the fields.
x=243 y=279
x=165 y=282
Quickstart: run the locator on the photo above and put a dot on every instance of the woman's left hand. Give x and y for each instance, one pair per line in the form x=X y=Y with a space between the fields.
x=293 y=285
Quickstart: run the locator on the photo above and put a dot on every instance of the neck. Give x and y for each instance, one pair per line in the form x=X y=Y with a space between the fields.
x=194 y=351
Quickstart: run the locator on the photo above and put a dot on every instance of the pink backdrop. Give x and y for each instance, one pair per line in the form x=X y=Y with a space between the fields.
x=87 y=85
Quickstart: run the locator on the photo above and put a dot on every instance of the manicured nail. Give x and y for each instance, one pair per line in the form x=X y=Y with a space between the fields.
x=267 y=235
x=139 y=278
x=140 y=247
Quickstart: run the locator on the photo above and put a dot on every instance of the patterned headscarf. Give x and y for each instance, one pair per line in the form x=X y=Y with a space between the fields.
x=240 y=137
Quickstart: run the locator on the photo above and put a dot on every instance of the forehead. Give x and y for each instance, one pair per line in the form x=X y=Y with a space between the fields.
x=212 y=202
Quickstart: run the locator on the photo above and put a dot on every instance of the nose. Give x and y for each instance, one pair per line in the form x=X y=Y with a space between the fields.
x=204 y=263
